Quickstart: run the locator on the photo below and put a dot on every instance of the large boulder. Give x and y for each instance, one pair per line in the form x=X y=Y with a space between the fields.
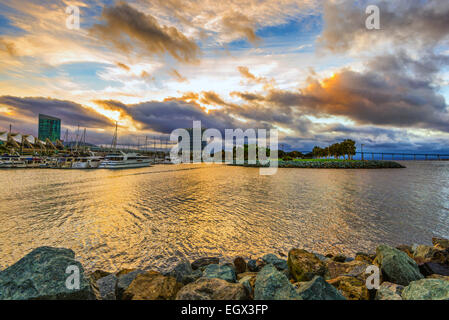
x=271 y=284
x=319 y=289
x=396 y=266
x=106 y=287
x=389 y=291
x=440 y=243
x=280 y=264
x=220 y=272
x=427 y=289
x=46 y=273
x=351 y=288
x=204 y=262
x=124 y=281
x=212 y=289
x=304 y=266
x=192 y=277
x=152 y=286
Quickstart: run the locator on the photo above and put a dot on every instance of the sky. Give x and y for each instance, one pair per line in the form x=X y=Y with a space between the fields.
x=309 y=68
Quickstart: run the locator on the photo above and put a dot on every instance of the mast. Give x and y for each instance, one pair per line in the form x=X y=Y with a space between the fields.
x=115 y=138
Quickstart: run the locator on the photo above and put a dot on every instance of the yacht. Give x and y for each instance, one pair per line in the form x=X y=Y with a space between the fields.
x=121 y=160
x=87 y=162
x=8 y=161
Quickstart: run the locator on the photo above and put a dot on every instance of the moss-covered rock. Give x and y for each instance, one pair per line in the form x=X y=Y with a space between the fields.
x=427 y=289
x=351 y=288
x=212 y=289
x=272 y=284
x=319 y=289
x=41 y=274
x=396 y=266
x=304 y=266
x=152 y=286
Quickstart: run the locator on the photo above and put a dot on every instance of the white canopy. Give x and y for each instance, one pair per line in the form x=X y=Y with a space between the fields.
x=31 y=139
x=4 y=136
x=17 y=138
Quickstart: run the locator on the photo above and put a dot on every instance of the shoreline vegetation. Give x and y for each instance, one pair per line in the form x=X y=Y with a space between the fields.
x=417 y=272
x=329 y=164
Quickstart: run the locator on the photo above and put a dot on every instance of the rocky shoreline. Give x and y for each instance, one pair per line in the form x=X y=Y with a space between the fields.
x=329 y=164
x=417 y=272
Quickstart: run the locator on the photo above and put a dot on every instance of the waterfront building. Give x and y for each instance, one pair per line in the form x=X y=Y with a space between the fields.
x=49 y=128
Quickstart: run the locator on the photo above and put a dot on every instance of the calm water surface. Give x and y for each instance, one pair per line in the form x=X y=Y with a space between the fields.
x=142 y=217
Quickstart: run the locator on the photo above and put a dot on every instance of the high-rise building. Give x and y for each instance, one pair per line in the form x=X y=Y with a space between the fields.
x=49 y=127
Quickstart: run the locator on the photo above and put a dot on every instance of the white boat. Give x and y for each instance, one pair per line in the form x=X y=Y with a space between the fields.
x=89 y=162
x=121 y=160
x=8 y=161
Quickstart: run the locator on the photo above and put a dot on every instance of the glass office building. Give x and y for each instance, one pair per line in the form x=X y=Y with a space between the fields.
x=49 y=127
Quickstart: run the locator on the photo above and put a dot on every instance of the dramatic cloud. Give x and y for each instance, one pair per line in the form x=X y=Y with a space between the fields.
x=416 y=23
x=127 y=29
x=164 y=117
x=69 y=112
x=393 y=91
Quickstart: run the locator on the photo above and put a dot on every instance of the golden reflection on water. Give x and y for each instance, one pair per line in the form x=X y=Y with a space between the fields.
x=142 y=217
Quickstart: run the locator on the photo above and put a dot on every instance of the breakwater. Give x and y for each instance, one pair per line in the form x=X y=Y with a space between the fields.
x=332 y=164
x=418 y=272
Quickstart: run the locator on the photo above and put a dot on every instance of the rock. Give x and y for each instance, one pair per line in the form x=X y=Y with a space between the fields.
x=430 y=268
x=441 y=256
x=249 y=283
x=321 y=257
x=212 y=289
x=407 y=249
x=124 y=281
x=339 y=258
x=181 y=270
x=427 y=289
x=303 y=265
x=366 y=257
x=424 y=252
x=353 y=269
x=256 y=265
x=440 y=243
x=123 y=272
x=41 y=274
x=319 y=289
x=98 y=274
x=273 y=285
x=106 y=287
x=152 y=286
x=389 y=291
x=219 y=272
x=189 y=278
x=204 y=262
x=351 y=288
x=280 y=264
x=239 y=265
x=397 y=266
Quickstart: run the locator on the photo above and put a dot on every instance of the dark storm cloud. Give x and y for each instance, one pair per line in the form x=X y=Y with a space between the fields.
x=419 y=23
x=394 y=90
x=169 y=115
x=128 y=29
x=69 y=112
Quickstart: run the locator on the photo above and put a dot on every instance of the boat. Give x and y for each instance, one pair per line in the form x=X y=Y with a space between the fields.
x=121 y=160
x=87 y=162
x=8 y=161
